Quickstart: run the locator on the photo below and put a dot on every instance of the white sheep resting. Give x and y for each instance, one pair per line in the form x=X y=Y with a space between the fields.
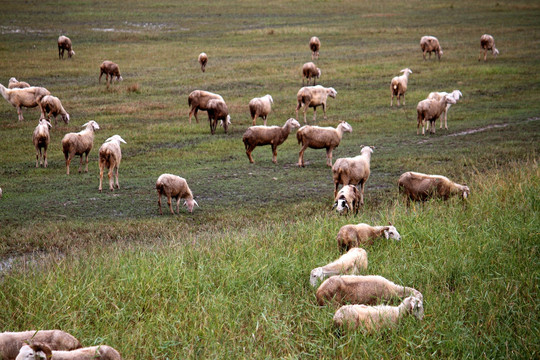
x=198 y=100
x=316 y=137
x=268 y=135
x=487 y=43
x=110 y=156
x=79 y=144
x=430 y=44
x=110 y=70
x=203 y=60
x=313 y=96
x=260 y=107
x=51 y=106
x=456 y=94
x=353 y=171
x=11 y=342
x=14 y=83
x=359 y=289
x=64 y=43
x=398 y=86
x=373 y=318
x=314 y=45
x=351 y=262
x=430 y=110
x=28 y=97
x=41 y=139
x=347 y=199
x=217 y=110
x=421 y=187
x=351 y=235
x=310 y=71
x=39 y=351
x=176 y=187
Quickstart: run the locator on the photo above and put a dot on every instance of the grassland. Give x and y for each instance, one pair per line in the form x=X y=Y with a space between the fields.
x=231 y=279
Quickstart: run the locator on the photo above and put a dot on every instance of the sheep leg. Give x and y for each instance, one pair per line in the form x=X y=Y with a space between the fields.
x=329 y=156
x=117 y=184
x=100 y=176
x=274 y=154
x=111 y=179
x=159 y=202
x=38 y=155
x=362 y=193
x=191 y=112
x=248 y=153
x=301 y=156
x=392 y=100
x=397 y=96
x=100 y=74
x=403 y=99
x=178 y=204
x=19 y=112
x=324 y=110
x=254 y=118
x=169 y=202
x=264 y=118
x=68 y=161
x=213 y=125
x=45 y=157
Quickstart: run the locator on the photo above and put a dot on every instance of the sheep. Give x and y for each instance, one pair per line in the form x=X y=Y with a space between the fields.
x=316 y=137
x=110 y=157
x=176 y=187
x=361 y=289
x=373 y=318
x=64 y=43
x=51 y=105
x=110 y=69
x=353 y=171
x=398 y=86
x=198 y=100
x=487 y=43
x=313 y=96
x=268 y=135
x=14 y=83
x=27 y=97
x=314 y=45
x=260 y=107
x=39 y=351
x=11 y=342
x=203 y=60
x=430 y=110
x=310 y=71
x=351 y=262
x=430 y=44
x=218 y=110
x=456 y=94
x=79 y=144
x=351 y=235
x=347 y=199
x=41 y=139
x=421 y=187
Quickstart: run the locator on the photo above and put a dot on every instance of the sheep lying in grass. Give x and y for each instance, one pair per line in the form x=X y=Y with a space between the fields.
x=350 y=236
x=430 y=110
x=430 y=44
x=351 y=262
x=347 y=199
x=373 y=318
x=176 y=187
x=316 y=137
x=203 y=60
x=456 y=94
x=358 y=289
x=217 y=110
x=353 y=171
x=421 y=187
x=110 y=70
x=313 y=96
x=64 y=43
x=110 y=156
x=11 y=342
x=79 y=144
x=310 y=71
x=260 y=107
x=398 y=86
x=487 y=43
x=314 y=45
x=51 y=106
x=268 y=135
x=39 y=351
x=198 y=100
x=28 y=97
x=16 y=84
x=41 y=139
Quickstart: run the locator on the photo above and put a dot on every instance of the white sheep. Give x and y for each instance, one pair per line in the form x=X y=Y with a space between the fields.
x=353 y=171
x=11 y=342
x=39 y=351
x=351 y=262
x=198 y=100
x=313 y=96
x=64 y=43
x=268 y=135
x=41 y=139
x=430 y=110
x=260 y=107
x=176 y=187
x=310 y=71
x=421 y=187
x=79 y=144
x=456 y=94
x=217 y=110
x=430 y=44
x=314 y=45
x=316 y=137
x=351 y=235
x=27 y=97
x=110 y=70
x=398 y=86
x=110 y=156
x=373 y=318
x=51 y=106
x=347 y=199
x=203 y=60
x=487 y=43
x=14 y=83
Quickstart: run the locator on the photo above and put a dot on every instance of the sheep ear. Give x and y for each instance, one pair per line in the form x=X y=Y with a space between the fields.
x=386 y=234
x=195 y=202
x=389 y=223
x=334 y=206
x=84 y=125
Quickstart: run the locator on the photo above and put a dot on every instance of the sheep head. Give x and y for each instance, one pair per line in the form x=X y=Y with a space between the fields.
x=495 y=51
x=190 y=204
x=345 y=126
x=44 y=121
x=414 y=306
x=465 y=191
x=71 y=52
x=449 y=99
x=341 y=204
x=293 y=123
x=116 y=138
x=35 y=351
x=91 y=125
x=332 y=92
x=456 y=94
x=406 y=71
x=65 y=118
x=390 y=232
x=367 y=149
x=316 y=274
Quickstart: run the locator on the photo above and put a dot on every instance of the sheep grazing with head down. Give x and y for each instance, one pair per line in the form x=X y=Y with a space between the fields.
x=203 y=60
x=14 y=84
x=198 y=100
x=51 y=106
x=313 y=96
x=110 y=156
x=353 y=171
x=310 y=71
x=487 y=43
x=347 y=199
x=430 y=44
x=27 y=97
x=350 y=236
x=351 y=262
x=421 y=187
x=12 y=342
x=314 y=45
x=316 y=137
x=268 y=135
x=79 y=144
x=41 y=139
x=456 y=94
x=110 y=70
x=398 y=86
x=39 y=351
x=217 y=110
x=260 y=107
x=429 y=110
x=176 y=187
x=64 y=43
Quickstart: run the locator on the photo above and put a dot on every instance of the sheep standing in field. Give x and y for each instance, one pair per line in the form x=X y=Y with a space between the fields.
x=351 y=262
x=203 y=60
x=260 y=107
x=41 y=139
x=28 y=97
x=421 y=187
x=430 y=110
x=347 y=199
x=353 y=171
x=39 y=351
x=110 y=70
x=316 y=137
x=218 y=110
x=51 y=106
x=487 y=43
x=110 y=156
x=350 y=236
x=313 y=96
x=16 y=84
x=373 y=318
x=11 y=342
x=79 y=144
x=430 y=44
x=456 y=94
x=64 y=43
x=268 y=135
x=198 y=100
x=310 y=71
x=176 y=187
x=398 y=86
x=314 y=45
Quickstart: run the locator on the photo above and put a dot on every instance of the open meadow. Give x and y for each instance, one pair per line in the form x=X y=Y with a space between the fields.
x=231 y=279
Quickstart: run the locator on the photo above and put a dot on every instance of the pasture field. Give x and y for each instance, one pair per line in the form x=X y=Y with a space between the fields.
x=231 y=280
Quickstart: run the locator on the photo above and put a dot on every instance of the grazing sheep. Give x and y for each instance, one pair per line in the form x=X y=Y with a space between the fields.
x=203 y=60
x=260 y=107
x=79 y=144
x=198 y=100
x=487 y=43
x=110 y=70
x=310 y=71
x=314 y=45
x=39 y=351
x=359 y=289
x=398 y=86
x=350 y=236
x=456 y=94
x=373 y=318
x=316 y=137
x=347 y=199
x=11 y=342
x=218 y=110
x=351 y=262
x=421 y=187
x=51 y=105
x=268 y=135
x=110 y=156
x=27 y=97
x=64 y=43
x=313 y=96
x=14 y=84
x=176 y=187
x=41 y=139
x=430 y=44
x=430 y=110
x=353 y=171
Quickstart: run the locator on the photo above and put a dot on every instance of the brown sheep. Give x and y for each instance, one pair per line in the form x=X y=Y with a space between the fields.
x=11 y=342
x=347 y=199
x=27 y=97
x=110 y=70
x=353 y=171
x=198 y=100
x=398 y=86
x=79 y=144
x=260 y=107
x=218 y=110
x=176 y=187
x=421 y=187
x=313 y=96
x=429 y=110
x=316 y=137
x=51 y=106
x=41 y=139
x=203 y=60
x=110 y=156
x=351 y=235
x=14 y=84
x=487 y=43
x=430 y=44
x=267 y=135
x=314 y=45
x=64 y=43
x=310 y=71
